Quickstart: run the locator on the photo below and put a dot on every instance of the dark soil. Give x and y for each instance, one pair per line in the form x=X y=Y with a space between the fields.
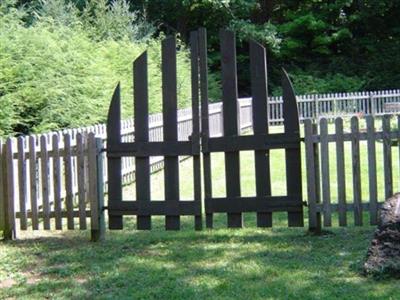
x=383 y=257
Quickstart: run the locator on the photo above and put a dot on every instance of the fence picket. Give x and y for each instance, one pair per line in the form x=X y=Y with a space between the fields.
x=22 y=183
x=311 y=177
x=171 y=163
x=258 y=66
x=387 y=156
x=69 y=197
x=80 y=154
x=44 y=167
x=33 y=178
x=372 y=176
x=57 y=182
x=230 y=119
x=326 y=192
x=141 y=111
x=9 y=232
x=341 y=175
x=355 y=151
x=195 y=137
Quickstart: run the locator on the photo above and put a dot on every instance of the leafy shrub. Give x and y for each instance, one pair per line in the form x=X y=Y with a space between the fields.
x=305 y=83
x=55 y=76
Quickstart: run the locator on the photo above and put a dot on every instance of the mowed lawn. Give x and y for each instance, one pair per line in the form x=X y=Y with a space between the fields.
x=250 y=263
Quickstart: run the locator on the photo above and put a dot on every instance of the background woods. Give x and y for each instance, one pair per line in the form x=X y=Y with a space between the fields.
x=55 y=54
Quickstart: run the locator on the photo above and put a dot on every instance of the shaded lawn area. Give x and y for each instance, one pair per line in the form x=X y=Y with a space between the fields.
x=251 y=263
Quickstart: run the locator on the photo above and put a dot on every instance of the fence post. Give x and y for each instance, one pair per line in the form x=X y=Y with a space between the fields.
x=313 y=179
x=7 y=202
x=2 y=189
x=96 y=192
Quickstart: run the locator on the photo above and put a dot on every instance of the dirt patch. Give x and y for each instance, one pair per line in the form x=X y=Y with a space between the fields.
x=383 y=257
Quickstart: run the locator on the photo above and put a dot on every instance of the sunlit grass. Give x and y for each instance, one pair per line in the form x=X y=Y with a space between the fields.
x=250 y=263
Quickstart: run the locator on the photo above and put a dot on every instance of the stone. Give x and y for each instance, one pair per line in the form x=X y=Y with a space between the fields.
x=383 y=257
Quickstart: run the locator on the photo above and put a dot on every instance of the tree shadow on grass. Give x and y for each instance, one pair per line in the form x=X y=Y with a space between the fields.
x=248 y=263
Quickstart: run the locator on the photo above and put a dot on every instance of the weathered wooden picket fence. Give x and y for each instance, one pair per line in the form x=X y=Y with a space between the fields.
x=49 y=181
x=361 y=194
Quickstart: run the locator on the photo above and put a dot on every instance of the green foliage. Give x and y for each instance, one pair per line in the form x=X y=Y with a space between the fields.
x=56 y=76
x=306 y=83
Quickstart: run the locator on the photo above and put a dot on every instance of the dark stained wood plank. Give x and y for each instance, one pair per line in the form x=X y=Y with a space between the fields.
x=253 y=204
x=372 y=176
x=57 y=182
x=258 y=67
x=205 y=131
x=195 y=137
x=254 y=142
x=22 y=182
x=33 y=176
x=146 y=149
x=160 y=208
x=44 y=164
x=340 y=171
x=141 y=113
x=230 y=119
x=387 y=157
x=293 y=156
x=114 y=163
x=355 y=151
x=169 y=93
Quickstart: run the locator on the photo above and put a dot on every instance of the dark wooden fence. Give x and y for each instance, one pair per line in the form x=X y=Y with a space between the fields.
x=231 y=143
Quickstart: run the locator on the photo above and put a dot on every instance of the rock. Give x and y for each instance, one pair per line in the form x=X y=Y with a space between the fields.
x=383 y=257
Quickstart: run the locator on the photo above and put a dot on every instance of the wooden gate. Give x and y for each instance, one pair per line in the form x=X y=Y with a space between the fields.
x=261 y=141
x=144 y=207
x=172 y=207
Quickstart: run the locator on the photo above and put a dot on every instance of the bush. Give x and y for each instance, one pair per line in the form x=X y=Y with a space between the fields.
x=56 y=76
x=317 y=83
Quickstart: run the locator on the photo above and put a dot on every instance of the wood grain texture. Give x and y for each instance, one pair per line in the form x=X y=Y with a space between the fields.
x=258 y=67
x=33 y=182
x=44 y=167
x=293 y=156
x=340 y=172
x=114 y=163
x=195 y=137
x=141 y=112
x=170 y=119
x=355 y=151
x=372 y=176
x=230 y=119
x=205 y=130
x=69 y=198
x=57 y=182
x=22 y=183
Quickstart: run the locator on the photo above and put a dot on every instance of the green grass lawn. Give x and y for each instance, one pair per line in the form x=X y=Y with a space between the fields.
x=250 y=263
